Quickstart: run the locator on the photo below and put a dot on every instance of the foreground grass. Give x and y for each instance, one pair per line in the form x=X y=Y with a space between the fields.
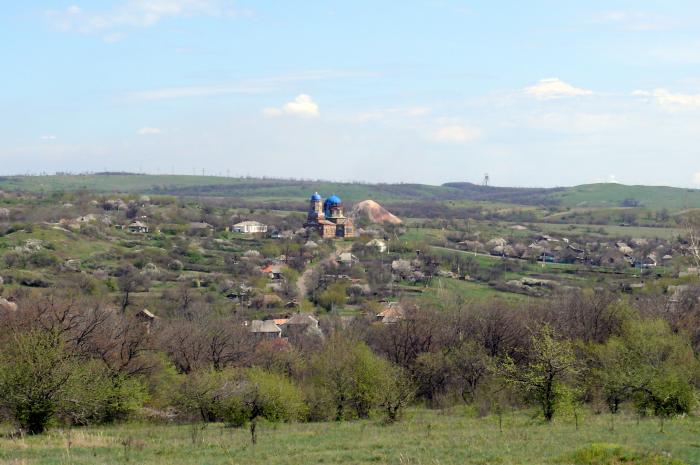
x=424 y=437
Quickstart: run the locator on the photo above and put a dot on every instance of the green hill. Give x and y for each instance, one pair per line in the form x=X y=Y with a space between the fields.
x=607 y=195
x=589 y=195
x=224 y=187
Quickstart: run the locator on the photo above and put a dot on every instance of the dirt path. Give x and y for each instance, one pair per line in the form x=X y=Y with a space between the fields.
x=301 y=282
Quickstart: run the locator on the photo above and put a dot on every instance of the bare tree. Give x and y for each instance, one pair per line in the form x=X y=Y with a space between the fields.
x=591 y=316
x=130 y=280
x=122 y=343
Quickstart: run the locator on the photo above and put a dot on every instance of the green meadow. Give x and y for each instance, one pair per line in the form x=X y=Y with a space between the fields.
x=423 y=437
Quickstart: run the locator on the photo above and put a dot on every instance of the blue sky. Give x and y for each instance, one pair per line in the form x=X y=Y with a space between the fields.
x=536 y=93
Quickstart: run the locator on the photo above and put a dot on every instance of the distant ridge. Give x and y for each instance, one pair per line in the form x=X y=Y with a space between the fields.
x=604 y=195
x=118 y=173
x=518 y=195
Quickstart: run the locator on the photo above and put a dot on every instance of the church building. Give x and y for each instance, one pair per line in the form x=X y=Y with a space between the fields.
x=327 y=217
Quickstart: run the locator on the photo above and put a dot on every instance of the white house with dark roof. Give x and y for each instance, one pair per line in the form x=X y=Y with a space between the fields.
x=250 y=227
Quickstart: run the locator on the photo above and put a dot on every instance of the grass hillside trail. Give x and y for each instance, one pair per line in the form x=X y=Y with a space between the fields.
x=423 y=437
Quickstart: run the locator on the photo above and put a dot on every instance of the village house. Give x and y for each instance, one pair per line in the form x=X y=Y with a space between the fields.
x=250 y=227
x=648 y=261
x=378 y=244
x=392 y=313
x=273 y=272
x=147 y=318
x=241 y=293
x=138 y=227
x=347 y=259
x=265 y=329
x=327 y=217
x=281 y=322
x=302 y=324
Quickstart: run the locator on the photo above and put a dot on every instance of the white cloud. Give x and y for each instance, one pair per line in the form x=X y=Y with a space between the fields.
x=551 y=88
x=456 y=133
x=303 y=106
x=696 y=178
x=148 y=131
x=669 y=100
x=136 y=14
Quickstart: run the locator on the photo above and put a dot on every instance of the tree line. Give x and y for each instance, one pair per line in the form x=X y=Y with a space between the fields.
x=76 y=360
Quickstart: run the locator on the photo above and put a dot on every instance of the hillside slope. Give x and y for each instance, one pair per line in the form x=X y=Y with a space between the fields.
x=612 y=194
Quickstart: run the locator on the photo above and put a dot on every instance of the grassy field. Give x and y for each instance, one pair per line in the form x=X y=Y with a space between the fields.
x=67 y=244
x=613 y=194
x=610 y=230
x=471 y=291
x=424 y=437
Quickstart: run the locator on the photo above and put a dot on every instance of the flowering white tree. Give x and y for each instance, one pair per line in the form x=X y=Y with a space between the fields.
x=691 y=224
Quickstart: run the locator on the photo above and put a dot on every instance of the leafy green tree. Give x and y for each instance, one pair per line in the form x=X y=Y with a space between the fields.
x=261 y=394
x=432 y=372
x=241 y=397
x=199 y=393
x=395 y=392
x=649 y=365
x=95 y=395
x=470 y=364
x=334 y=296
x=615 y=381
x=542 y=379
x=34 y=371
x=270 y=250
x=348 y=375
x=41 y=380
x=291 y=276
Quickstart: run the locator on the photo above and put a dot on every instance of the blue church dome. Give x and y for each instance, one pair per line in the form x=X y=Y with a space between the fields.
x=333 y=200
x=315 y=196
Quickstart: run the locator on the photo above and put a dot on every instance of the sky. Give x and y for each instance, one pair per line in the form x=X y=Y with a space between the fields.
x=534 y=93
